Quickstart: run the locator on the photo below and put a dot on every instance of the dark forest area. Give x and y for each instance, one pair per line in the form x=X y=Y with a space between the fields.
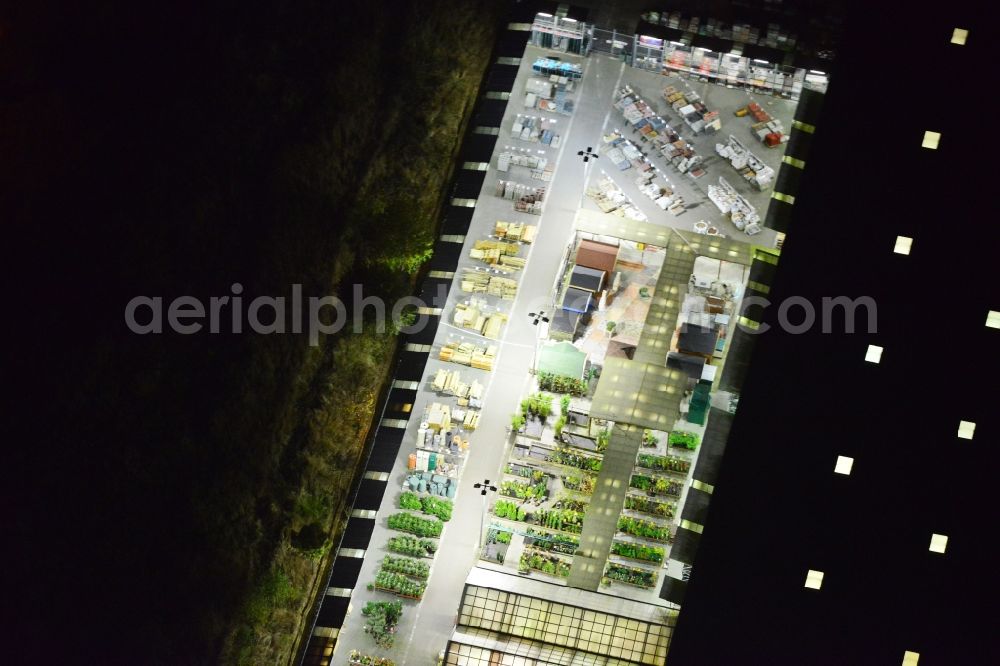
x=173 y=498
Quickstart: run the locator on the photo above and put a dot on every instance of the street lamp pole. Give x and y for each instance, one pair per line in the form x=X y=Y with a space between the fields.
x=483 y=488
x=586 y=155
x=537 y=318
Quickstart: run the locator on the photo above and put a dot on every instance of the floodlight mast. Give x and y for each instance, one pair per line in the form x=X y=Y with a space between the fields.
x=484 y=488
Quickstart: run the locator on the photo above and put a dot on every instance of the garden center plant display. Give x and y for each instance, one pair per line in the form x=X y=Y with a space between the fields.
x=656 y=485
x=406 y=566
x=524 y=491
x=523 y=471
x=663 y=463
x=434 y=506
x=565 y=456
x=630 y=575
x=549 y=564
x=561 y=384
x=637 y=551
x=407 y=545
x=684 y=440
x=399 y=584
x=382 y=619
x=646 y=529
x=359 y=659
x=581 y=484
x=556 y=519
x=558 y=543
x=421 y=527
x=538 y=404
x=650 y=506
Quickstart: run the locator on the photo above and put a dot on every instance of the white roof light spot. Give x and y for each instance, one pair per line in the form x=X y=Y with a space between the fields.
x=958 y=36
x=993 y=319
x=814 y=579
x=903 y=245
x=874 y=354
x=844 y=465
x=931 y=140
x=939 y=543
x=910 y=658
x=966 y=429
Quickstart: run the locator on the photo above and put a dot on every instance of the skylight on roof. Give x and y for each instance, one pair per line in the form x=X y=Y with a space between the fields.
x=910 y=658
x=931 y=140
x=966 y=429
x=844 y=465
x=939 y=543
x=958 y=36
x=903 y=244
x=993 y=319
x=874 y=354
x=814 y=579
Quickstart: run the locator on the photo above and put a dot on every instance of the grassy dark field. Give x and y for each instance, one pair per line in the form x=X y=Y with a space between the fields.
x=174 y=496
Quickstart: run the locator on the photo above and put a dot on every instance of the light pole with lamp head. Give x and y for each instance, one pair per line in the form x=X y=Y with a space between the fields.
x=483 y=488
x=538 y=318
x=587 y=155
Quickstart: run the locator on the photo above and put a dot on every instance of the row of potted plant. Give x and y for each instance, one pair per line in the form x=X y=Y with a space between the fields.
x=549 y=564
x=646 y=529
x=422 y=527
x=537 y=404
x=357 y=658
x=524 y=471
x=434 y=506
x=510 y=510
x=548 y=381
x=663 y=463
x=565 y=456
x=524 y=491
x=571 y=503
x=650 y=506
x=683 y=440
x=631 y=575
x=556 y=519
x=557 y=543
x=637 y=551
x=581 y=484
x=398 y=584
x=406 y=566
x=408 y=545
x=382 y=618
x=656 y=485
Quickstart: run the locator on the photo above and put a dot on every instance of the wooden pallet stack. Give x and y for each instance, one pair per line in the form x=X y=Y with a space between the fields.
x=445 y=381
x=494 y=325
x=466 y=353
x=516 y=231
x=438 y=417
x=490 y=251
x=471 y=421
x=479 y=282
x=468 y=315
x=473 y=396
